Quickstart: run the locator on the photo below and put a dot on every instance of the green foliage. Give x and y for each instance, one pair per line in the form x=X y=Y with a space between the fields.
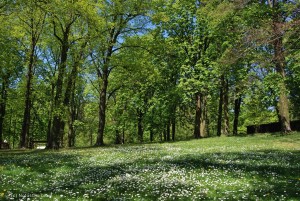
x=157 y=55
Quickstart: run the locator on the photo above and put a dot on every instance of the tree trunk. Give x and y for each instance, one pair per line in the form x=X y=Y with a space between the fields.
x=226 y=112
x=50 y=116
x=173 y=123
x=57 y=129
x=102 y=108
x=221 y=101
x=3 y=107
x=72 y=118
x=203 y=116
x=26 y=117
x=70 y=104
x=207 y=123
x=151 y=134
x=118 y=139
x=165 y=134
x=168 y=131
x=200 y=117
x=279 y=59
x=237 y=108
x=197 y=117
x=69 y=100
x=123 y=135
x=140 y=125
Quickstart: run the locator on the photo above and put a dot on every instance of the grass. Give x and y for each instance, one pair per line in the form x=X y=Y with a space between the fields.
x=259 y=167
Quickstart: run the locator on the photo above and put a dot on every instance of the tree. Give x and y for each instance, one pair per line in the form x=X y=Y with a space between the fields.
x=279 y=18
x=62 y=23
x=118 y=17
x=279 y=61
x=10 y=61
x=32 y=19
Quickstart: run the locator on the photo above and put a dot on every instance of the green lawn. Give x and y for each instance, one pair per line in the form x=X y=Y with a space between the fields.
x=260 y=167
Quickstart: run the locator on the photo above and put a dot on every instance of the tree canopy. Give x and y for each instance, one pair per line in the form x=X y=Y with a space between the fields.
x=86 y=72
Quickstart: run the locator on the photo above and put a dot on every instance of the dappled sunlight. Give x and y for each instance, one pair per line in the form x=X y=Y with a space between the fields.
x=170 y=171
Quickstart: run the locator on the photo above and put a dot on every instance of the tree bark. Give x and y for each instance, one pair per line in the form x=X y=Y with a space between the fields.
x=237 y=109
x=57 y=130
x=173 y=125
x=140 y=125
x=203 y=117
x=3 y=106
x=168 y=131
x=118 y=139
x=151 y=134
x=200 y=116
x=279 y=60
x=72 y=117
x=221 y=101
x=102 y=108
x=197 y=117
x=69 y=99
x=26 y=117
x=123 y=135
x=226 y=112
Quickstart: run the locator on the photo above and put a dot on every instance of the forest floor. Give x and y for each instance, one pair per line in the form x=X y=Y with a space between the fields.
x=258 y=167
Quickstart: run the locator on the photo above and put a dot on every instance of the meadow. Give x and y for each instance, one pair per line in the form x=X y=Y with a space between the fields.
x=258 y=167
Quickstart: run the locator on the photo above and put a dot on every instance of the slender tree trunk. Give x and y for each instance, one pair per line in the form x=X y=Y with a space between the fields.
x=140 y=125
x=165 y=134
x=237 y=109
x=151 y=134
x=69 y=99
x=123 y=135
x=221 y=101
x=168 y=131
x=279 y=59
x=226 y=112
x=50 y=116
x=197 y=117
x=113 y=35
x=71 y=132
x=10 y=126
x=118 y=139
x=173 y=124
x=57 y=132
x=57 y=129
x=102 y=108
x=69 y=103
x=3 y=107
x=200 y=117
x=203 y=116
x=207 y=123
x=26 y=117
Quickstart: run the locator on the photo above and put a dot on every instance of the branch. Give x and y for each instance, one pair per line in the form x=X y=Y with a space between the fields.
x=93 y=85
x=270 y=3
x=96 y=65
x=55 y=34
x=114 y=91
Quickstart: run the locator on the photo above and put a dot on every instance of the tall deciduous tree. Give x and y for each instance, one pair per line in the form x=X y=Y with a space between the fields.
x=64 y=15
x=278 y=20
x=118 y=17
x=10 y=59
x=279 y=17
x=32 y=19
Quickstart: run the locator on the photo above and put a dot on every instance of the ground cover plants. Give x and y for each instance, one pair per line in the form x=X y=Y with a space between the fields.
x=259 y=167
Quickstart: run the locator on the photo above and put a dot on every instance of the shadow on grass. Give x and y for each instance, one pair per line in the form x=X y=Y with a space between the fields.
x=280 y=169
x=277 y=171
